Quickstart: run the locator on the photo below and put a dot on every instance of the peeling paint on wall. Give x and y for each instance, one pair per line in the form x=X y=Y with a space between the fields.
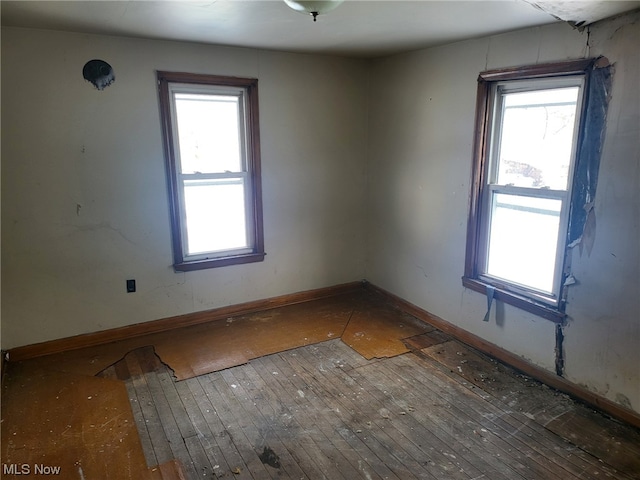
x=580 y=14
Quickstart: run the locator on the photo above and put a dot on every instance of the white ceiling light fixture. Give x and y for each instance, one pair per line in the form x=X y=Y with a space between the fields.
x=313 y=7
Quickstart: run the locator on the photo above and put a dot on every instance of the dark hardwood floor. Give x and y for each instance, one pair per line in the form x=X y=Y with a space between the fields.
x=441 y=411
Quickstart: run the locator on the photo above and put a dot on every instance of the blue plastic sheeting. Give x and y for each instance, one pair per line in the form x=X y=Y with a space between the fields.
x=589 y=152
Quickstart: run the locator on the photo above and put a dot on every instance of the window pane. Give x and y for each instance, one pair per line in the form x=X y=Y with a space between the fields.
x=208 y=133
x=523 y=240
x=215 y=215
x=536 y=138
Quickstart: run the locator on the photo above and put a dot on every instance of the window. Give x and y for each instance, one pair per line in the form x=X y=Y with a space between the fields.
x=212 y=150
x=529 y=124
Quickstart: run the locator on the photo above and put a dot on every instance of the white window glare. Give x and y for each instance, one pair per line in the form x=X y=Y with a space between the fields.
x=208 y=132
x=526 y=204
x=536 y=138
x=215 y=215
x=523 y=239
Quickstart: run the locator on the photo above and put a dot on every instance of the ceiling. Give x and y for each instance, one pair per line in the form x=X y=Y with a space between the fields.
x=356 y=28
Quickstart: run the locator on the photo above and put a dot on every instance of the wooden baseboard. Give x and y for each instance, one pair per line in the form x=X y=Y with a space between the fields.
x=552 y=380
x=165 y=324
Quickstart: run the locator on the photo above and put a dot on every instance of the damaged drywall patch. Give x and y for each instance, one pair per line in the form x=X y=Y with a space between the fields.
x=559 y=350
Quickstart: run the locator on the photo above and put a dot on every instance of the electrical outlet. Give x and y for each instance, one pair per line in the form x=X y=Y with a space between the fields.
x=131 y=286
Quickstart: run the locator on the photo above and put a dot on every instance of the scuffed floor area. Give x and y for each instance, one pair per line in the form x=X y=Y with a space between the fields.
x=325 y=412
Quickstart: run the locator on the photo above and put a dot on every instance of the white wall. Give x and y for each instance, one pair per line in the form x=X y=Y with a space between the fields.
x=84 y=197
x=422 y=112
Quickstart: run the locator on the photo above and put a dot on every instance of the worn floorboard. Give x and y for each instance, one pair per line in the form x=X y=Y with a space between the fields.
x=534 y=403
x=324 y=411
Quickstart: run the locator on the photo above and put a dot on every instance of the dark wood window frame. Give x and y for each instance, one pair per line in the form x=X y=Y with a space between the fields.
x=250 y=87
x=471 y=278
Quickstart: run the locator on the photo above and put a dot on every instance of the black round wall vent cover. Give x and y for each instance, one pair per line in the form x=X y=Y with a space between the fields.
x=98 y=72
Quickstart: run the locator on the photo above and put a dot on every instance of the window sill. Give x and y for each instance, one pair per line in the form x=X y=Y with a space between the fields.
x=219 y=262
x=520 y=301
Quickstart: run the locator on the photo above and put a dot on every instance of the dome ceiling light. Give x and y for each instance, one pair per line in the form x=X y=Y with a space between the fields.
x=312 y=7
